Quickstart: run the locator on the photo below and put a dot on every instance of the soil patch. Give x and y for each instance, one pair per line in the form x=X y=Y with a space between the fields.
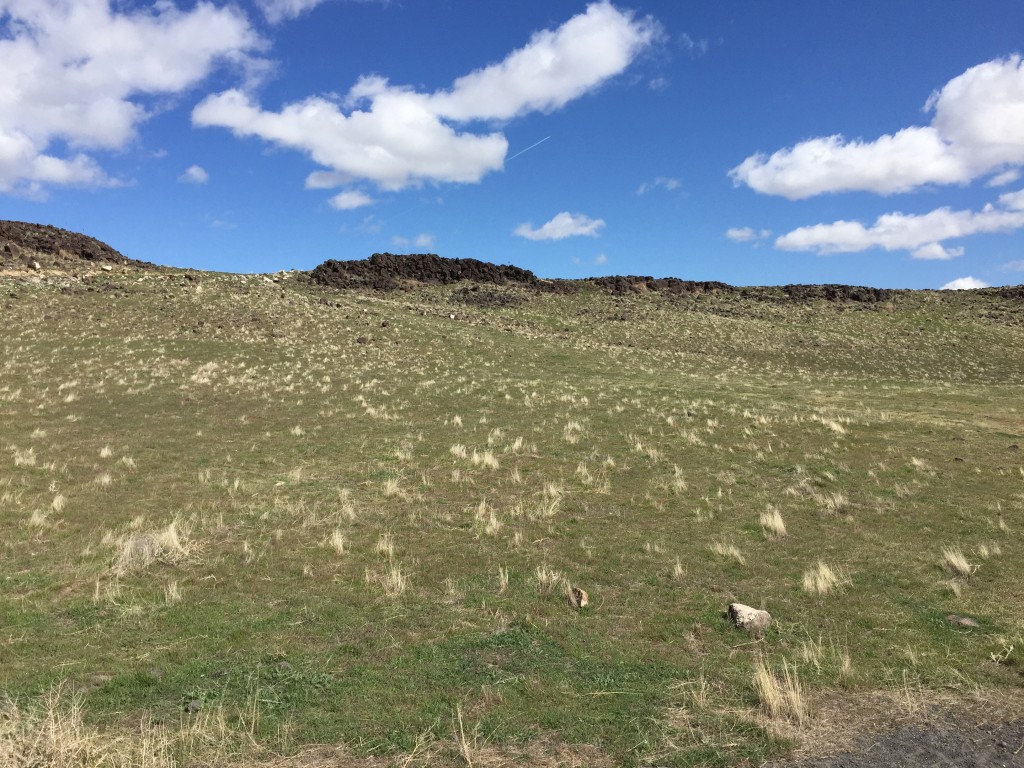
x=877 y=729
x=949 y=744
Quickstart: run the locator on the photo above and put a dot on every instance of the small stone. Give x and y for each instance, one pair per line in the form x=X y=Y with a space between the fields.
x=962 y=621
x=385 y=324
x=362 y=340
x=107 y=268
x=193 y=706
x=578 y=598
x=34 y=265
x=751 y=620
x=283 y=666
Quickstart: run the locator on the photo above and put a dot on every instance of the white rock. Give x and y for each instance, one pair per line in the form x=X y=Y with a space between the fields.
x=752 y=620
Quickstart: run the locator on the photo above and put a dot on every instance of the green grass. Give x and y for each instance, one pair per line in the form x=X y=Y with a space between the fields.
x=266 y=418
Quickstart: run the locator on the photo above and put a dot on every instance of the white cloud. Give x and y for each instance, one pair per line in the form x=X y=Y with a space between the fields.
x=424 y=240
x=554 y=68
x=667 y=183
x=194 y=174
x=77 y=74
x=936 y=252
x=964 y=284
x=1014 y=266
x=747 y=234
x=397 y=137
x=977 y=129
x=1004 y=178
x=562 y=226
x=695 y=48
x=351 y=199
x=922 y=234
x=277 y=11
x=600 y=259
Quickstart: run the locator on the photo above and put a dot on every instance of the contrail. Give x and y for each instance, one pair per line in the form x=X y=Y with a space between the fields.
x=517 y=154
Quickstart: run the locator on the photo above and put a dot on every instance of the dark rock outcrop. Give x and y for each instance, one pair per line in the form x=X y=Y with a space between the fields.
x=22 y=244
x=389 y=272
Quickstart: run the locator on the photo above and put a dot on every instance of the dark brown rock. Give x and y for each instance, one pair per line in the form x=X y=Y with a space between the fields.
x=23 y=243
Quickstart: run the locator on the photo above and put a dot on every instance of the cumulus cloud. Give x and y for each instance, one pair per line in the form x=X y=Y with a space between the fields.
x=554 y=68
x=936 y=252
x=964 y=284
x=923 y=235
x=351 y=199
x=396 y=137
x=746 y=234
x=194 y=174
x=667 y=183
x=562 y=226
x=977 y=128
x=77 y=76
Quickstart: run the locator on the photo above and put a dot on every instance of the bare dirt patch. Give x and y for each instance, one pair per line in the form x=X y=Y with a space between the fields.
x=883 y=729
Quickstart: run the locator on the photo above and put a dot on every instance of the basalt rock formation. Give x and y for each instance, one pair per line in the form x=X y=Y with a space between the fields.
x=41 y=246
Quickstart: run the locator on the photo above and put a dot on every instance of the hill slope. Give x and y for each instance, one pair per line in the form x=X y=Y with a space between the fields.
x=266 y=515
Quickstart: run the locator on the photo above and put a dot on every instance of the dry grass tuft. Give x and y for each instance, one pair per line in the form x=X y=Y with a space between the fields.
x=722 y=549
x=549 y=580
x=772 y=523
x=780 y=698
x=823 y=578
x=54 y=734
x=955 y=562
x=138 y=551
x=337 y=542
x=392 y=580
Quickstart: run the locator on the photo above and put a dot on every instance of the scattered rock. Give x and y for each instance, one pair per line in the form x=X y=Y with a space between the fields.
x=749 y=619
x=578 y=598
x=362 y=340
x=34 y=265
x=283 y=666
x=107 y=268
x=962 y=621
x=193 y=706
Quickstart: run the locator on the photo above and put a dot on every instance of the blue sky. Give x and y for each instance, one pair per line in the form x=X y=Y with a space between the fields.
x=874 y=143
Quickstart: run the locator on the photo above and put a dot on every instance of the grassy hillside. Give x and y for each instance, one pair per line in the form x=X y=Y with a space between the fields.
x=242 y=516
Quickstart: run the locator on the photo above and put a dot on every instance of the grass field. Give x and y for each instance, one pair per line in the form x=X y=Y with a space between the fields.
x=247 y=521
